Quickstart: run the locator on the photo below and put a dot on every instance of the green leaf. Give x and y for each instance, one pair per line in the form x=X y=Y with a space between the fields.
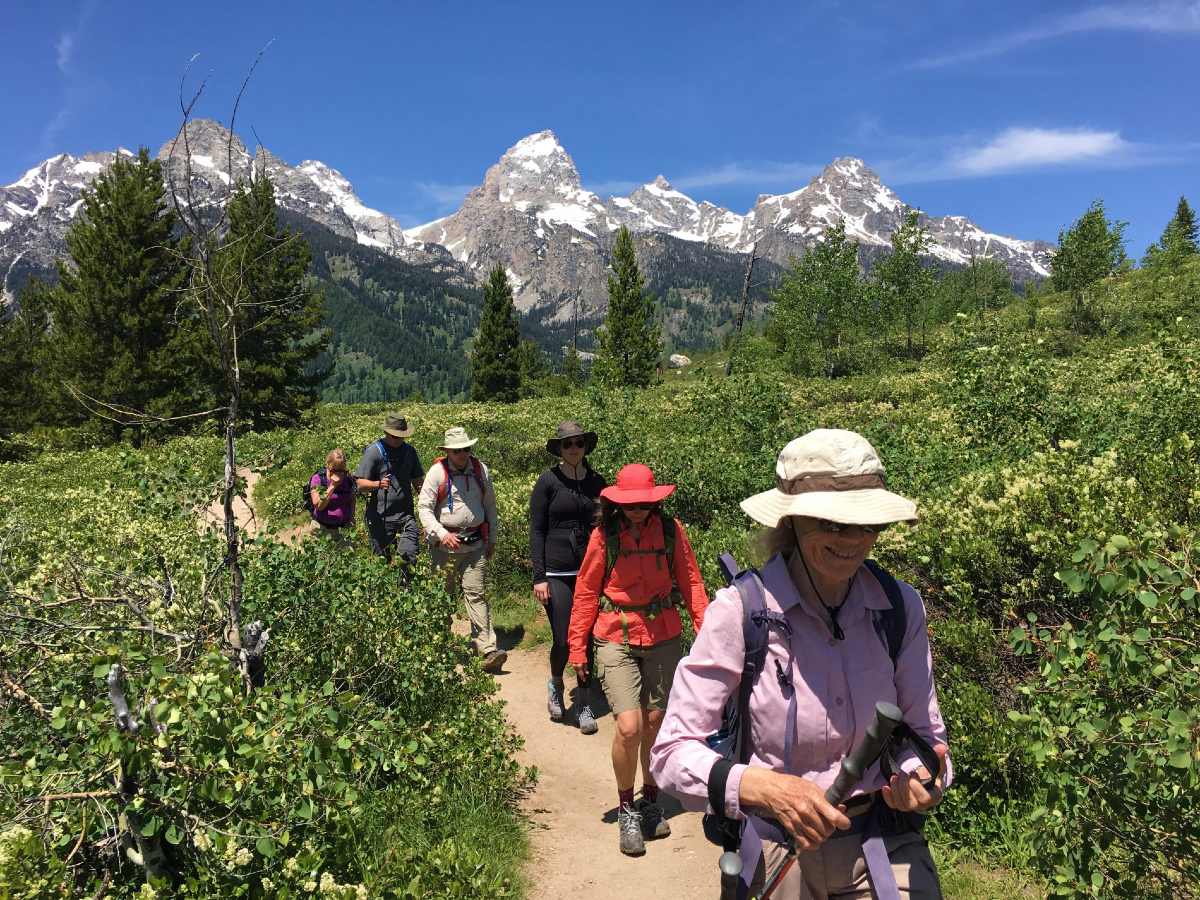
x=344 y=743
x=58 y=722
x=150 y=827
x=1181 y=759
x=173 y=835
x=1107 y=582
x=265 y=847
x=1148 y=599
x=101 y=670
x=327 y=688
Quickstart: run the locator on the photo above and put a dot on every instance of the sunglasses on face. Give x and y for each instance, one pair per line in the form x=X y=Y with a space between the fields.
x=642 y=506
x=837 y=527
x=572 y=443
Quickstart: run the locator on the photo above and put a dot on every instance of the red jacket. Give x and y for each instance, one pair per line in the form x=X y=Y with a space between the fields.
x=636 y=580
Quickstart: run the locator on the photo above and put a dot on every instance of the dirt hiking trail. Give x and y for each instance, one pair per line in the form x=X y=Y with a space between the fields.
x=572 y=810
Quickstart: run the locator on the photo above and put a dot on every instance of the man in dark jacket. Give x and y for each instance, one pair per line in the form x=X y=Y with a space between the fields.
x=391 y=470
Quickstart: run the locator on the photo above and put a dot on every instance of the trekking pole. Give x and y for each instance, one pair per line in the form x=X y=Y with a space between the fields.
x=731 y=874
x=887 y=717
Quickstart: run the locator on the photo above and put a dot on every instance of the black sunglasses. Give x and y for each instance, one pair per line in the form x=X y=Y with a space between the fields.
x=837 y=527
x=568 y=443
x=638 y=505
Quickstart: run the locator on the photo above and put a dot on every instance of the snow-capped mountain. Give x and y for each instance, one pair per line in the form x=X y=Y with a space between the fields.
x=533 y=216
x=37 y=210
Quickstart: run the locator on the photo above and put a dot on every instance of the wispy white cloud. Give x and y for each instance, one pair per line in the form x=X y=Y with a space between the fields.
x=1171 y=17
x=1019 y=148
x=64 y=50
x=1026 y=148
x=73 y=87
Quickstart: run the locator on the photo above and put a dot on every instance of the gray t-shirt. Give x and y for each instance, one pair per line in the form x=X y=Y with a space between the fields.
x=404 y=467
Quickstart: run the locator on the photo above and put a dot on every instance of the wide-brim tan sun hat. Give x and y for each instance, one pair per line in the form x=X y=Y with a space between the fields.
x=456 y=439
x=830 y=474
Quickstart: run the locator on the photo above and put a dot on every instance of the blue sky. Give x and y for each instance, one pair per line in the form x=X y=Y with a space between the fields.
x=1016 y=114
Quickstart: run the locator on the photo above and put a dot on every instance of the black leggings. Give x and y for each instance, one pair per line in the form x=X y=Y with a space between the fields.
x=562 y=591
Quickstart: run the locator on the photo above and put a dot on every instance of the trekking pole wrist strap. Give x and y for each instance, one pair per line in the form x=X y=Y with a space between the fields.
x=718 y=778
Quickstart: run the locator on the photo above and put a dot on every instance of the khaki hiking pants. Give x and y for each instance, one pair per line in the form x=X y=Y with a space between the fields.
x=837 y=870
x=464 y=574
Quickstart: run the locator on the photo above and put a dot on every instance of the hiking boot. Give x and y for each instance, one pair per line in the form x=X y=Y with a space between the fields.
x=494 y=661
x=554 y=702
x=654 y=823
x=629 y=824
x=585 y=718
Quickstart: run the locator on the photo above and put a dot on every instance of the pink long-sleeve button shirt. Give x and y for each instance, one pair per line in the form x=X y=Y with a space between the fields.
x=837 y=684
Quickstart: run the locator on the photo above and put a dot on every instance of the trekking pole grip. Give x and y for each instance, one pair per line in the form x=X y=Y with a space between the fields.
x=887 y=717
x=731 y=874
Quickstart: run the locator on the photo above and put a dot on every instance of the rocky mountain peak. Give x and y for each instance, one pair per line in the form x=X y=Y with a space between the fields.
x=660 y=181
x=209 y=143
x=535 y=170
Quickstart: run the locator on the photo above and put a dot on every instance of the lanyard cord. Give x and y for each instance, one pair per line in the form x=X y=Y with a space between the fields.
x=833 y=611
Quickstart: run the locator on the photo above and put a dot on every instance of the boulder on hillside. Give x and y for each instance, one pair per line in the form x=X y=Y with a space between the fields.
x=678 y=361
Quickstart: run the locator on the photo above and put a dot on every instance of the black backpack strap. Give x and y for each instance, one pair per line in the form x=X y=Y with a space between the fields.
x=892 y=623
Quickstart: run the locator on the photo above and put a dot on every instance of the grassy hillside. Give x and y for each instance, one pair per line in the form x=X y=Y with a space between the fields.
x=1059 y=491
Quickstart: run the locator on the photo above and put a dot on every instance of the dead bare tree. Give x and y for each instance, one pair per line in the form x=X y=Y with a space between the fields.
x=221 y=294
x=737 y=328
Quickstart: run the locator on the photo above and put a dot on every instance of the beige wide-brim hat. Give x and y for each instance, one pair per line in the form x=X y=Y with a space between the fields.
x=830 y=474
x=456 y=439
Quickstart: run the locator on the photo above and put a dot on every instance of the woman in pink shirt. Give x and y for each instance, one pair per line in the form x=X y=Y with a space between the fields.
x=827 y=508
x=332 y=492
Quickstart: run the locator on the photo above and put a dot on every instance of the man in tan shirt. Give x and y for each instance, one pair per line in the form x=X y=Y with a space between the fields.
x=457 y=508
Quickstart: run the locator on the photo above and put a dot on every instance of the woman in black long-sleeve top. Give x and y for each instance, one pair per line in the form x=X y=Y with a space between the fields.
x=561 y=511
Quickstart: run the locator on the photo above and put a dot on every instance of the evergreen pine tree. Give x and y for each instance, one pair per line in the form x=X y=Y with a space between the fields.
x=24 y=350
x=1091 y=249
x=629 y=343
x=264 y=270
x=496 y=360
x=533 y=366
x=1180 y=237
x=819 y=308
x=119 y=322
x=572 y=369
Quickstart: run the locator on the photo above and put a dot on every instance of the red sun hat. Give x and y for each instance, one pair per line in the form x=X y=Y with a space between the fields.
x=635 y=484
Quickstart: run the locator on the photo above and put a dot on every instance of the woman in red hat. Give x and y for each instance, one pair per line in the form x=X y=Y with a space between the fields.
x=637 y=570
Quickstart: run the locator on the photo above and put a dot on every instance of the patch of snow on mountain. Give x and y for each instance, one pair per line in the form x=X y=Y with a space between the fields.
x=568 y=214
x=544 y=143
x=87 y=167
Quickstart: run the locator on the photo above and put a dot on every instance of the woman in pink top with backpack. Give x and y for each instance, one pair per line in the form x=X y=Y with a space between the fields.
x=829 y=661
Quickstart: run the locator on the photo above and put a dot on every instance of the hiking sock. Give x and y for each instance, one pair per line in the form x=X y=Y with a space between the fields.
x=625 y=797
x=650 y=793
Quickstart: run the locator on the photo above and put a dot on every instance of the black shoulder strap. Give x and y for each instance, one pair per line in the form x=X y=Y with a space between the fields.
x=894 y=620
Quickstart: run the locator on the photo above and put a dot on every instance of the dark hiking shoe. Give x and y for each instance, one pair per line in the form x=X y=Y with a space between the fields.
x=554 y=701
x=494 y=661
x=654 y=823
x=585 y=718
x=629 y=826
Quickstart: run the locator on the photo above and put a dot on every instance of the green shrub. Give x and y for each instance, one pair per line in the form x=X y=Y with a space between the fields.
x=1113 y=722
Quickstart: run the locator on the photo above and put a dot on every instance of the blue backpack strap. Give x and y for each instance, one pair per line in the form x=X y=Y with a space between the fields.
x=892 y=623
